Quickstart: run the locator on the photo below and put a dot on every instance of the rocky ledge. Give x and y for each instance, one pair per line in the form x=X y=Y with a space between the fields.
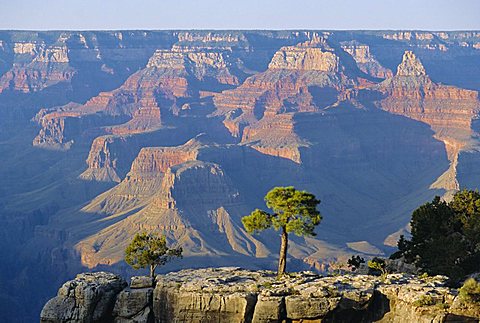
x=236 y=295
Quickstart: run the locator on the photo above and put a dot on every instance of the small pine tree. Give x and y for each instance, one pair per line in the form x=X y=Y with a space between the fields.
x=150 y=250
x=354 y=262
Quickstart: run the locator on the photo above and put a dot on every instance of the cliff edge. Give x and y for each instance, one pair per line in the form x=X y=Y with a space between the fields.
x=231 y=294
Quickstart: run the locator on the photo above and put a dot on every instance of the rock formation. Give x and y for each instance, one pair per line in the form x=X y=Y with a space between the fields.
x=231 y=294
x=448 y=110
x=89 y=298
x=37 y=67
x=168 y=190
x=142 y=98
x=412 y=93
x=366 y=62
x=301 y=78
x=292 y=70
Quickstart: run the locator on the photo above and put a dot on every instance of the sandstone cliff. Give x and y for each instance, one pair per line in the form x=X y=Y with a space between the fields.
x=231 y=294
x=290 y=72
x=301 y=78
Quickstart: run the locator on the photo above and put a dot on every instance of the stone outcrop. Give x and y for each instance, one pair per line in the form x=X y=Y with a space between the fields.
x=101 y=162
x=275 y=137
x=308 y=59
x=89 y=297
x=202 y=63
x=365 y=60
x=231 y=294
x=183 y=197
x=292 y=70
x=410 y=66
x=302 y=78
x=154 y=160
x=134 y=305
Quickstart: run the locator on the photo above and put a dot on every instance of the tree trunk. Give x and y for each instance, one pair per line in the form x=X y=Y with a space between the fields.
x=282 y=261
x=152 y=270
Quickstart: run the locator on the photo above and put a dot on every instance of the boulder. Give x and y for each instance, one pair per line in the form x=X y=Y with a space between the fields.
x=269 y=309
x=90 y=297
x=134 y=305
x=141 y=282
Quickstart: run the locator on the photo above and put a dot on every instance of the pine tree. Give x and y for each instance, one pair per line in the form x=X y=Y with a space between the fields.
x=293 y=211
x=150 y=250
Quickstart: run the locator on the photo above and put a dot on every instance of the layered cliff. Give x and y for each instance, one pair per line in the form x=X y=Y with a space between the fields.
x=146 y=99
x=101 y=161
x=232 y=294
x=144 y=179
x=37 y=66
x=302 y=78
x=194 y=201
x=412 y=93
x=291 y=71
x=447 y=109
x=365 y=60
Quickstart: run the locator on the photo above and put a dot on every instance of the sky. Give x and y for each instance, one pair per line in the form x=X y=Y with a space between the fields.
x=239 y=14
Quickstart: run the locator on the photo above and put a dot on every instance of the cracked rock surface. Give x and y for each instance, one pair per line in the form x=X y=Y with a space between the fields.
x=231 y=294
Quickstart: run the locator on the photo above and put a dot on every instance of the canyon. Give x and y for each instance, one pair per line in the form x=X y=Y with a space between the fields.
x=104 y=134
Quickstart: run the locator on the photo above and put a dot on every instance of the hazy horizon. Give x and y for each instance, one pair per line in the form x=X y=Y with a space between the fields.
x=431 y=15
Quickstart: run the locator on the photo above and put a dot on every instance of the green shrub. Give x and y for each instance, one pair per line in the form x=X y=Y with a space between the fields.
x=424 y=300
x=470 y=291
x=354 y=262
x=267 y=285
x=378 y=265
x=442 y=306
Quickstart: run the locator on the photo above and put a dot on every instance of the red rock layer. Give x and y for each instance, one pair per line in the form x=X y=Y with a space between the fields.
x=448 y=110
x=411 y=93
x=261 y=109
x=52 y=132
x=158 y=160
x=45 y=66
x=100 y=154
x=292 y=70
x=101 y=162
x=166 y=77
x=154 y=160
x=275 y=136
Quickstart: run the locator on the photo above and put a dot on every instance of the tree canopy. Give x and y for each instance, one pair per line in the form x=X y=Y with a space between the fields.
x=150 y=250
x=293 y=211
x=445 y=236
